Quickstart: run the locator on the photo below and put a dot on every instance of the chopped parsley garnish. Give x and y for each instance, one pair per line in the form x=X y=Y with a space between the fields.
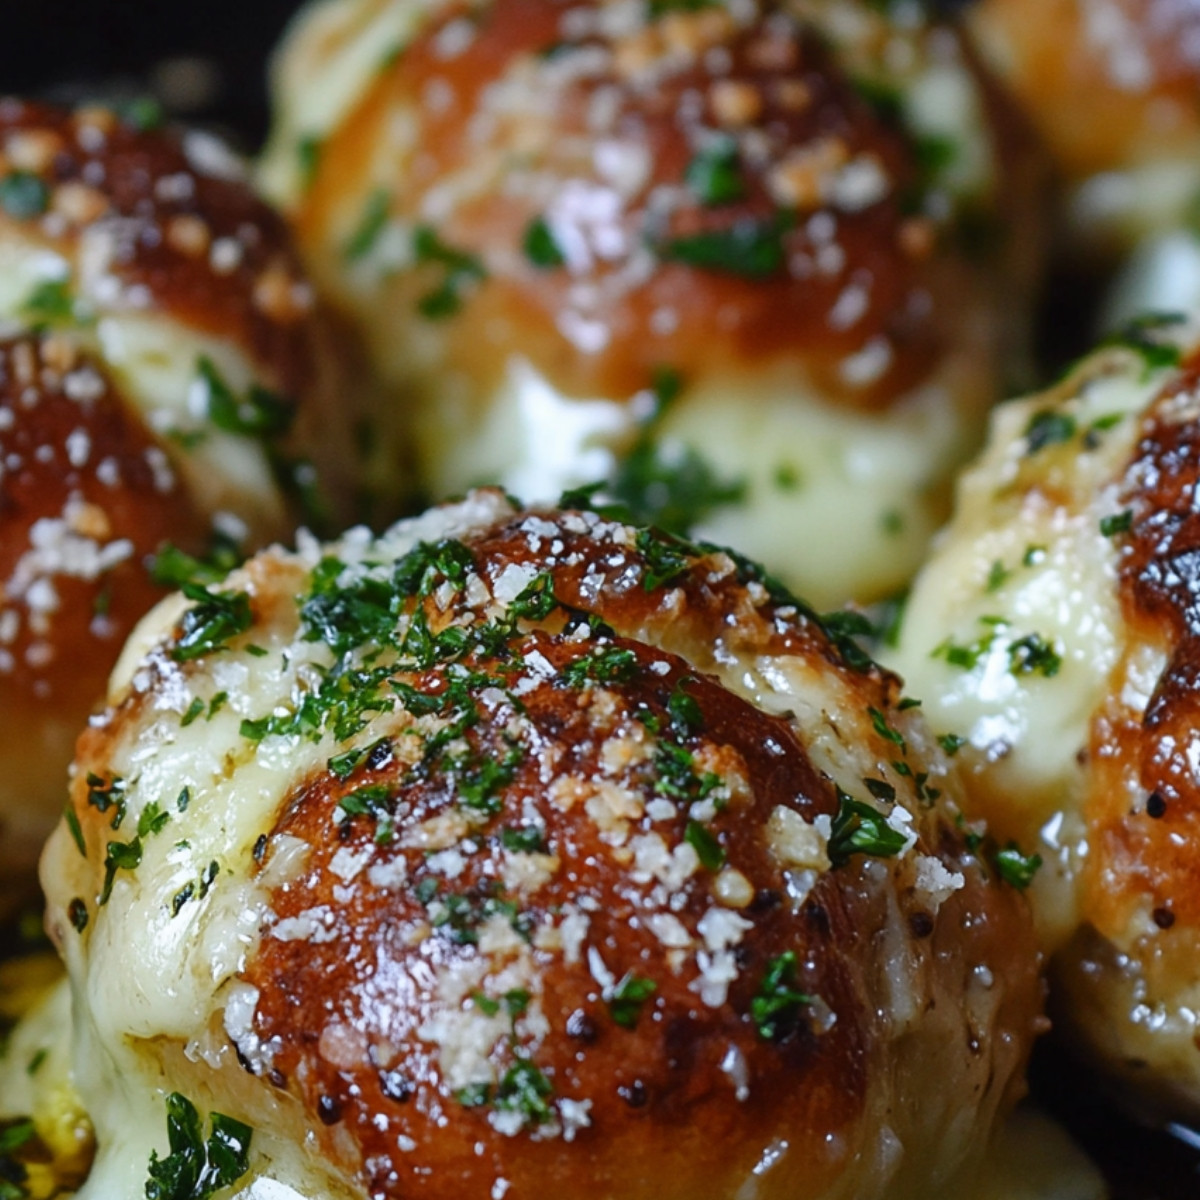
x=704 y=842
x=308 y=158
x=1031 y=655
x=671 y=485
x=370 y=226
x=524 y=839
x=344 y=765
x=479 y=780
x=675 y=774
x=667 y=557
x=685 y=714
x=1048 y=428
x=752 y=248
x=197 y=1168
x=420 y=571
x=998 y=575
x=951 y=743
x=374 y=799
x=1116 y=523
x=787 y=477
x=777 y=1004
x=104 y=794
x=525 y=1090
x=659 y=8
x=1138 y=336
x=50 y=303
x=886 y=731
x=1015 y=868
x=24 y=195
x=14 y=1136
x=713 y=175
x=194 y=710
x=859 y=828
x=460 y=271
x=153 y=819
x=172 y=567
x=143 y=113
x=259 y=413
x=74 y=828
x=214 y=619
x=200 y=888
x=540 y=247
x=120 y=856
x=610 y=665
x=842 y=628
x=345 y=618
x=627 y=998
x=967 y=656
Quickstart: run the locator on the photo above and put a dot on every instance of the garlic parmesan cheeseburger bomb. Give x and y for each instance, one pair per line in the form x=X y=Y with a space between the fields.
x=161 y=372
x=1053 y=636
x=747 y=263
x=517 y=852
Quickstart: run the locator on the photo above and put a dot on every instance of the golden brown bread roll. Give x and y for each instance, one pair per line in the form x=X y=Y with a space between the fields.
x=522 y=851
x=1055 y=630
x=163 y=373
x=750 y=263
x=1111 y=86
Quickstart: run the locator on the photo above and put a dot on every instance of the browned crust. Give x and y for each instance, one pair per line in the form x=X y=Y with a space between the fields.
x=68 y=442
x=806 y=118
x=661 y=1083
x=80 y=479
x=188 y=242
x=1076 y=85
x=1145 y=856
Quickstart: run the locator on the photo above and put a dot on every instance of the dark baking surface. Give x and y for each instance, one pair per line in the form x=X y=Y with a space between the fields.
x=206 y=63
x=66 y=46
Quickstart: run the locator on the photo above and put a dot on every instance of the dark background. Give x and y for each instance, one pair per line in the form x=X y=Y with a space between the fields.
x=62 y=47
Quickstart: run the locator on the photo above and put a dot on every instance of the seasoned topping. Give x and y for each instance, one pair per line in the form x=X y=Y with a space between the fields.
x=1157 y=534
x=85 y=494
x=555 y=838
x=156 y=221
x=623 y=179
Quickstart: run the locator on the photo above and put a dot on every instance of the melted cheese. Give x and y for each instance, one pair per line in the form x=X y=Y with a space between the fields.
x=838 y=503
x=1025 y=556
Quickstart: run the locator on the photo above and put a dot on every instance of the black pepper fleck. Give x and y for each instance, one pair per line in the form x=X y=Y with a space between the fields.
x=921 y=924
x=1164 y=918
x=329 y=1110
x=765 y=899
x=1156 y=806
x=634 y=1094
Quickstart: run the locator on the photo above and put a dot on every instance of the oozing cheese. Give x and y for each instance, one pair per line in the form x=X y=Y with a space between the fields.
x=437 y=829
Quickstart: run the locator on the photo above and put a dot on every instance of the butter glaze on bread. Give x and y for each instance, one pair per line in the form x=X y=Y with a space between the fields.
x=1111 y=87
x=508 y=852
x=1055 y=630
x=163 y=372
x=535 y=210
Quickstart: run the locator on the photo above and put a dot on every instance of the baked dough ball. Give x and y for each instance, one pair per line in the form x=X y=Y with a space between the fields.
x=1111 y=86
x=522 y=852
x=749 y=264
x=1055 y=631
x=153 y=322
